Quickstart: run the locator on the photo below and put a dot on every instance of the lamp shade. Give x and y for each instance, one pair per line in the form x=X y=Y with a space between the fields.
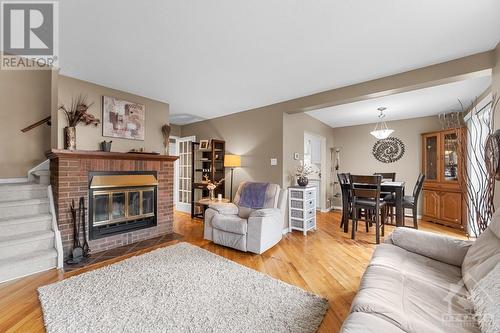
x=232 y=161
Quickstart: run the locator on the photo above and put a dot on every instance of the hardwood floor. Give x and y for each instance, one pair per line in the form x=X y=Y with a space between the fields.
x=326 y=262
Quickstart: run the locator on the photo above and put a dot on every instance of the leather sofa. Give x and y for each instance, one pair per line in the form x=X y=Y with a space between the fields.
x=422 y=282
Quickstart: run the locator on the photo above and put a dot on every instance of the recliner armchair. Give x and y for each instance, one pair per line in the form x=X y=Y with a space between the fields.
x=246 y=229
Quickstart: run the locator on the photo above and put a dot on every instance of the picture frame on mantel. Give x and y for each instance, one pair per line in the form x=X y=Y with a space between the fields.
x=123 y=119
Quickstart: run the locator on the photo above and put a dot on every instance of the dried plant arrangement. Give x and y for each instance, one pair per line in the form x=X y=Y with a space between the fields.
x=165 y=131
x=480 y=165
x=77 y=113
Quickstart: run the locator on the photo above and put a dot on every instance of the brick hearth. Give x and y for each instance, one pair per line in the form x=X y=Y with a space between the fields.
x=69 y=179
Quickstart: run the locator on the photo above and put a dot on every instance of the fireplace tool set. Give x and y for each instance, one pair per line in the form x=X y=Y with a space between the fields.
x=78 y=215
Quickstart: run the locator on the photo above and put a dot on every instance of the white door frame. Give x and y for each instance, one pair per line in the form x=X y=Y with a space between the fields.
x=176 y=168
x=182 y=206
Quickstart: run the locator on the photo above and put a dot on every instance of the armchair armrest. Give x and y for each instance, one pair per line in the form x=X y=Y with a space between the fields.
x=266 y=212
x=225 y=208
x=442 y=248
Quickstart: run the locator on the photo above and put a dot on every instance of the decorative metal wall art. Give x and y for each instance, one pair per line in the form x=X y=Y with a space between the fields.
x=388 y=150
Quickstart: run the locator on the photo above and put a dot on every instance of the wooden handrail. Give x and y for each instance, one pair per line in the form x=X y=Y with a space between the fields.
x=38 y=123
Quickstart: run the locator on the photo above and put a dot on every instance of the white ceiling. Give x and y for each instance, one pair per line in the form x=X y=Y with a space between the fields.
x=413 y=104
x=212 y=58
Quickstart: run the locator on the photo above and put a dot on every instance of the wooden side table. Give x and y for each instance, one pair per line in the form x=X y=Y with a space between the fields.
x=205 y=202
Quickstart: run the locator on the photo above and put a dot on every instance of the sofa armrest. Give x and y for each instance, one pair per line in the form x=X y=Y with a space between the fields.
x=439 y=247
x=225 y=208
x=265 y=212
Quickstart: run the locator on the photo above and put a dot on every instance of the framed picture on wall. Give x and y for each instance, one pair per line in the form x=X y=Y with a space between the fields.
x=204 y=144
x=123 y=119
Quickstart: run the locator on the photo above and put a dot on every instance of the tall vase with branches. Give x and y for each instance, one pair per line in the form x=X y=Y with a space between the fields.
x=479 y=164
x=76 y=114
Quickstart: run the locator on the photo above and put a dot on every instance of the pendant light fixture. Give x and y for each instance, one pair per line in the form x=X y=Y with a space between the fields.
x=381 y=130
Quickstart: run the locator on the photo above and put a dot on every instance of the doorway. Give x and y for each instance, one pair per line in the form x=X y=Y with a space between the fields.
x=182 y=181
x=314 y=155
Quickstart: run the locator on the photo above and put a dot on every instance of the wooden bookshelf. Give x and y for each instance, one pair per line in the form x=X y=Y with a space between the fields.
x=208 y=162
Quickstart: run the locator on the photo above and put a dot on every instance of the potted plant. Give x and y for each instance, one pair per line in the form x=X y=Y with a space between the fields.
x=75 y=115
x=302 y=172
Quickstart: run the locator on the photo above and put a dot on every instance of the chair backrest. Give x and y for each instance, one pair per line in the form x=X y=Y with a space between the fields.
x=345 y=187
x=418 y=186
x=365 y=187
x=275 y=198
x=387 y=175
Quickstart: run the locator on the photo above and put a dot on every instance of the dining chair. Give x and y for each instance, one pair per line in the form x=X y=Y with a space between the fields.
x=388 y=176
x=366 y=195
x=345 y=189
x=411 y=201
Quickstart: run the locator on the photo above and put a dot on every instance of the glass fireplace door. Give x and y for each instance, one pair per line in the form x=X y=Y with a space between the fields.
x=114 y=206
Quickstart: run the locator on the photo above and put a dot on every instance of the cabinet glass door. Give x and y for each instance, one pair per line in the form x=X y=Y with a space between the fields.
x=450 y=156
x=431 y=157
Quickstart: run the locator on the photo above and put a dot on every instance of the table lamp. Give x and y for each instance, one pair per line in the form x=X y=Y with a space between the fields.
x=232 y=161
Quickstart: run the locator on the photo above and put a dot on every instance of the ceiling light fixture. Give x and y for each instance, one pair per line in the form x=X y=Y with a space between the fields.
x=381 y=130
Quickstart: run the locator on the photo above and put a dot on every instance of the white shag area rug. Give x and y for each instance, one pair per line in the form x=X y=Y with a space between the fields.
x=180 y=288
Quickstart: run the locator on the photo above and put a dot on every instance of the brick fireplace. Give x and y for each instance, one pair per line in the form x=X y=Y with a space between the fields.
x=71 y=175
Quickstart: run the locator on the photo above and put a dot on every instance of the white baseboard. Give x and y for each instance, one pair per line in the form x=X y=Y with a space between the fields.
x=325 y=210
x=13 y=180
x=285 y=231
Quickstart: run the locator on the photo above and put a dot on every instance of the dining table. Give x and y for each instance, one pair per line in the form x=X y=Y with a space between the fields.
x=398 y=188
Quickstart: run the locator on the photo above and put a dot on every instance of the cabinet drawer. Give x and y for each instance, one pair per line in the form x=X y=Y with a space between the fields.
x=300 y=204
x=296 y=194
x=297 y=223
x=311 y=203
x=310 y=194
x=311 y=223
x=310 y=213
x=298 y=214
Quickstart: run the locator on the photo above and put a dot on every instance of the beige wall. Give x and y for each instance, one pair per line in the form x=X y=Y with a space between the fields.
x=256 y=135
x=25 y=98
x=294 y=128
x=356 y=145
x=88 y=137
x=175 y=130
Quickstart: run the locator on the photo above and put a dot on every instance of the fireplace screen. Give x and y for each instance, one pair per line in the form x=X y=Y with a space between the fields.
x=120 y=203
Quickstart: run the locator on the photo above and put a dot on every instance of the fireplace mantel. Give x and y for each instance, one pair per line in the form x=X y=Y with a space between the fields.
x=95 y=154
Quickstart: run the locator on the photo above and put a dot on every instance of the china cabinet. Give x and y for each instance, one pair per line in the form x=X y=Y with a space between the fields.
x=441 y=163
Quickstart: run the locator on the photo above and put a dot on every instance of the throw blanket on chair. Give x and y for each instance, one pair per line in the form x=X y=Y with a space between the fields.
x=253 y=195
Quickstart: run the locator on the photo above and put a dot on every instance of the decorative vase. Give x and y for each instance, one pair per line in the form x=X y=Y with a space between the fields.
x=211 y=194
x=70 y=138
x=302 y=181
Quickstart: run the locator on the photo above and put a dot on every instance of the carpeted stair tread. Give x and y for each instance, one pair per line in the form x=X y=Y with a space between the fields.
x=4 y=221
x=21 y=186
x=27 y=263
x=31 y=256
x=28 y=202
x=25 y=238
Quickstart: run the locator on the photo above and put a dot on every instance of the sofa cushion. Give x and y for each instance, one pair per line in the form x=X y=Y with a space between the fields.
x=483 y=255
x=230 y=223
x=359 y=322
x=486 y=298
x=443 y=248
x=413 y=292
